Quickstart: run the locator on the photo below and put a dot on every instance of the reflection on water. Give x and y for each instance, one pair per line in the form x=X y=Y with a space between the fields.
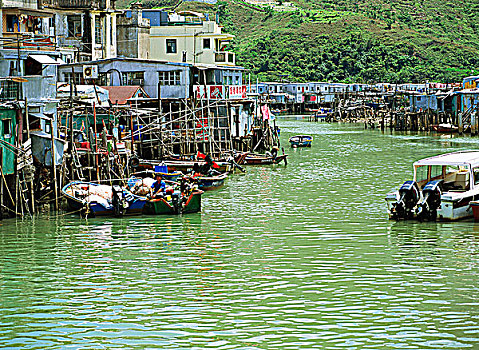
x=301 y=256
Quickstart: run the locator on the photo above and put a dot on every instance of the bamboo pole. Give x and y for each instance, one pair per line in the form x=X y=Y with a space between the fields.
x=1 y=185
x=27 y=124
x=55 y=189
x=96 y=143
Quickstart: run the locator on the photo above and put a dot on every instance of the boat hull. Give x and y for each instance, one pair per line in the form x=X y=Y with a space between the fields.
x=301 y=144
x=450 y=209
x=301 y=141
x=184 y=166
x=257 y=160
x=161 y=206
x=475 y=209
x=93 y=209
x=208 y=183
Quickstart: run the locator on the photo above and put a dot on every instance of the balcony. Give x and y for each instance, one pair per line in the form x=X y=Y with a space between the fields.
x=74 y=4
x=28 y=41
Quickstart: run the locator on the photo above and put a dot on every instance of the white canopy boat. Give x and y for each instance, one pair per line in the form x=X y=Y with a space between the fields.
x=442 y=187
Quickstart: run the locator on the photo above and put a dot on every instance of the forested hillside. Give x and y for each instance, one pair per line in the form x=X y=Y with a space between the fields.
x=352 y=41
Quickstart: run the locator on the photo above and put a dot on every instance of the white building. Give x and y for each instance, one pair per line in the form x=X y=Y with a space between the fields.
x=188 y=37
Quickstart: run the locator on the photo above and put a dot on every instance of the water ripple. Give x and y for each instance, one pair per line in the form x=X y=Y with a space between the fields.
x=283 y=257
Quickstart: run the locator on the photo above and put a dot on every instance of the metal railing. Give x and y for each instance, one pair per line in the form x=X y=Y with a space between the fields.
x=98 y=4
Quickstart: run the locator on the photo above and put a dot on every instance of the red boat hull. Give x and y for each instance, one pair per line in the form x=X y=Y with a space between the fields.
x=475 y=209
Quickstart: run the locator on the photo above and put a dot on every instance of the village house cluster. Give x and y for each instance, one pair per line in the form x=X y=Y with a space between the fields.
x=80 y=77
x=85 y=87
x=435 y=103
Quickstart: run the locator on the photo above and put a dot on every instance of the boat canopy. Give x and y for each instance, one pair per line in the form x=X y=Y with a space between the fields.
x=470 y=158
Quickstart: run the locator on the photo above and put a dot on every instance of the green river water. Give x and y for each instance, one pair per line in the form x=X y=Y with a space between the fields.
x=295 y=257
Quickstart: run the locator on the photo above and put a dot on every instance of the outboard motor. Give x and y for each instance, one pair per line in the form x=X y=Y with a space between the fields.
x=176 y=201
x=431 y=200
x=408 y=197
x=118 y=201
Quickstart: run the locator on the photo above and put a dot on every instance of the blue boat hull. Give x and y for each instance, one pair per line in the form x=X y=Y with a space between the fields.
x=301 y=141
x=135 y=204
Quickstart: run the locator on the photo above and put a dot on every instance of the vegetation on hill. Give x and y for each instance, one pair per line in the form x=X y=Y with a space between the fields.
x=361 y=41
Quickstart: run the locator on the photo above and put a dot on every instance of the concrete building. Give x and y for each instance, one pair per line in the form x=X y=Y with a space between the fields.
x=79 y=29
x=168 y=80
x=86 y=25
x=133 y=34
x=187 y=37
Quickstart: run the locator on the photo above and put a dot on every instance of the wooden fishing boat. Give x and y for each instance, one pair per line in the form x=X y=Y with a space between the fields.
x=93 y=199
x=184 y=166
x=301 y=141
x=208 y=183
x=443 y=187
x=261 y=159
x=175 y=204
x=445 y=128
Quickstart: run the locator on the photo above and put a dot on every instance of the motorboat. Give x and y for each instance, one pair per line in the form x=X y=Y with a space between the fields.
x=443 y=187
x=178 y=198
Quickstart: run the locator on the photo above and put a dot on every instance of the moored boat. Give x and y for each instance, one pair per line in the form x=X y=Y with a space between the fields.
x=163 y=170
x=185 y=166
x=445 y=128
x=93 y=199
x=301 y=141
x=260 y=159
x=175 y=203
x=475 y=209
x=443 y=187
x=210 y=182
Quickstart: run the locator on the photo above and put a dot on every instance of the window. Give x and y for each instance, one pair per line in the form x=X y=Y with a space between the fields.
x=104 y=79
x=133 y=78
x=68 y=78
x=13 y=68
x=98 y=31
x=169 y=78
x=476 y=175
x=207 y=43
x=7 y=128
x=33 y=67
x=170 y=45
x=12 y=23
x=9 y=90
x=74 y=26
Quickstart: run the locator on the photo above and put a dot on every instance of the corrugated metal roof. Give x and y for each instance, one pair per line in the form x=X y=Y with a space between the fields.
x=120 y=94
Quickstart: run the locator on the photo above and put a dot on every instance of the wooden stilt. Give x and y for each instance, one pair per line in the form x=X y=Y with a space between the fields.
x=55 y=184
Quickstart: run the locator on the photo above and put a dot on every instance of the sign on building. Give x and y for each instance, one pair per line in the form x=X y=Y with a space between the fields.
x=212 y=92
x=218 y=92
x=236 y=92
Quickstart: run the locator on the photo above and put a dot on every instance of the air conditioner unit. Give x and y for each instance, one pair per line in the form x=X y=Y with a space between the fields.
x=90 y=72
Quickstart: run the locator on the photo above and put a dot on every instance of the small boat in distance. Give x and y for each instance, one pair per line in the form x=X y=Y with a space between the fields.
x=301 y=141
x=443 y=187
